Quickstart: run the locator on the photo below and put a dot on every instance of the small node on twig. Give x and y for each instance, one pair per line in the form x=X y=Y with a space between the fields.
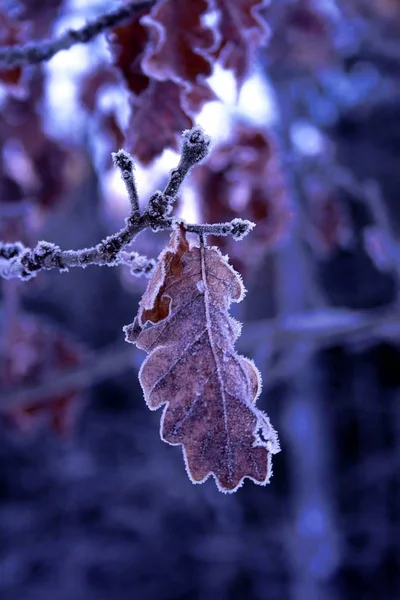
x=159 y=205
x=240 y=228
x=41 y=257
x=124 y=161
x=195 y=145
x=145 y=269
x=139 y=265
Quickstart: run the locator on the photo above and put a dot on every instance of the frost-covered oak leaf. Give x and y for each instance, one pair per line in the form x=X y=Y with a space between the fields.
x=193 y=368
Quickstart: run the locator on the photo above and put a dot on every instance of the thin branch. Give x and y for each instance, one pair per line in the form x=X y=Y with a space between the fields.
x=124 y=161
x=101 y=366
x=194 y=148
x=37 y=52
x=237 y=228
x=16 y=260
x=46 y=256
x=324 y=328
x=24 y=262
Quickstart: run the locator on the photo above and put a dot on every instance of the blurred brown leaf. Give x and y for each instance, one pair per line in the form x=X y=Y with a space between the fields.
x=301 y=35
x=41 y=171
x=329 y=227
x=128 y=44
x=243 y=178
x=166 y=82
x=179 y=41
x=40 y=14
x=33 y=350
x=157 y=121
x=242 y=29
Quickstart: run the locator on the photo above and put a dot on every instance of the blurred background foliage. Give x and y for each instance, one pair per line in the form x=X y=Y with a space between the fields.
x=302 y=98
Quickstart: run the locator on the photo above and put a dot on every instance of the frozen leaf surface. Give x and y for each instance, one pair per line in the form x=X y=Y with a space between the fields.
x=193 y=368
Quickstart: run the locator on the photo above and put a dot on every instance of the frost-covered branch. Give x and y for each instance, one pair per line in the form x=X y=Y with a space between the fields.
x=19 y=261
x=237 y=228
x=194 y=147
x=37 y=52
x=124 y=161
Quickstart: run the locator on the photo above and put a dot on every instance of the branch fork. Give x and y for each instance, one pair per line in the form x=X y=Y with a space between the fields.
x=19 y=261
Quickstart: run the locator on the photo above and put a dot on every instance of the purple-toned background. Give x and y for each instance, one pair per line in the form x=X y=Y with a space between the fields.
x=106 y=511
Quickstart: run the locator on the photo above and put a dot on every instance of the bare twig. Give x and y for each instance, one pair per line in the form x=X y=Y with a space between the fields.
x=19 y=261
x=37 y=52
x=124 y=161
x=195 y=146
x=237 y=228
x=44 y=256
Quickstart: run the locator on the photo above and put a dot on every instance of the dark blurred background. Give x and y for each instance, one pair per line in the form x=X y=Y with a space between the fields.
x=93 y=504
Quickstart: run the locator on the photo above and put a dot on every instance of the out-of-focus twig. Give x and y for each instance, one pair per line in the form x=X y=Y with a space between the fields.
x=318 y=328
x=37 y=52
x=101 y=366
x=325 y=328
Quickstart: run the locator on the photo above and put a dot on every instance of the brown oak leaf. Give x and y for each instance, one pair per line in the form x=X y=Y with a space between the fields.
x=179 y=41
x=162 y=103
x=35 y=351
x=242 y=29
x=193 y=368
